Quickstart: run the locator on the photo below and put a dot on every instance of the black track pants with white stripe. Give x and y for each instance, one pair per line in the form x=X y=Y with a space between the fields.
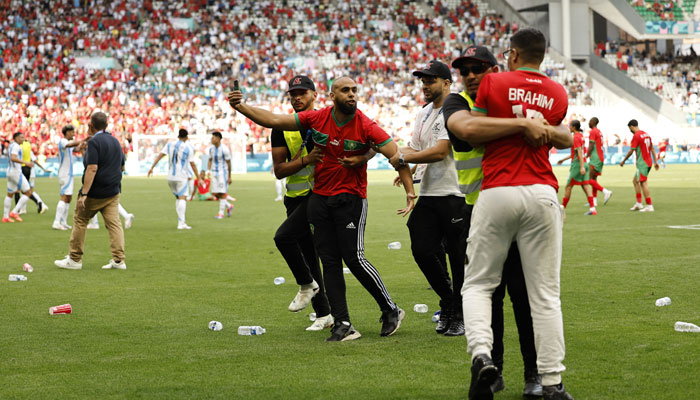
x=338 y=227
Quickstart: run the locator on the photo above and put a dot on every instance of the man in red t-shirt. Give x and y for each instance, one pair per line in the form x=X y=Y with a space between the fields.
x=337 y=209
x=662 y=152
x=641 y=143
x=597 y=159
x=518 y=201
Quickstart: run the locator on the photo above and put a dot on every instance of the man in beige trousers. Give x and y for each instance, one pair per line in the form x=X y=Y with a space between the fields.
x=104 y=163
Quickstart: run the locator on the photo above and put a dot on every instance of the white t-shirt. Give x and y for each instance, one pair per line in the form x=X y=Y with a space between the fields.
x=65 y=157
x=14 y=150
x=219 y=156
x=180 y=154
x=440 y=178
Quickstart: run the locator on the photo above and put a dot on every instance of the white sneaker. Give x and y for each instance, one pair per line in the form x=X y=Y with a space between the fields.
x=59 y=227
x=636 y=207
x=128 y=221
x=43 y=208
x=67 y=263
x=321 y=323
x=93 y=226
x=647 y=208
x=66 y=225
x=22 y=211
x=303 y=297
x=607 y=195
x=114 y=265
x=183 y=226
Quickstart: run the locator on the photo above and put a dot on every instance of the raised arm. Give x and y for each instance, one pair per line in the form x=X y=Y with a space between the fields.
x=283 y=122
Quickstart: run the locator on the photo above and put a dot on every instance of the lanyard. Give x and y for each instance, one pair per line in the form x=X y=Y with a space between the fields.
x=420 y=130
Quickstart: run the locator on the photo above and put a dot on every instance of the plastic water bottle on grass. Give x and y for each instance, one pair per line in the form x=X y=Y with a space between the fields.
x=279 y=280
x=420 y=308
x=16 y=277
x=664 y=301
x=251 y=330
x=686 y=327
x=394 y=245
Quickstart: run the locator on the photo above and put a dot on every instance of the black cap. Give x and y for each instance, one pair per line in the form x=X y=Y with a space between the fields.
x=301 y=82
x=435 y=68
x=479 y=53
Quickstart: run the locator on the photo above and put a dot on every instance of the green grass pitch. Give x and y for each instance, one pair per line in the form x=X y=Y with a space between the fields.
x=142 y=333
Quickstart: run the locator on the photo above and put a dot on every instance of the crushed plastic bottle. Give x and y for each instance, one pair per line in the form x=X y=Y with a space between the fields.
x=251 y=330
x=216 y=326
x=686 y=327
x=16 y=277
x=420 y=308
x=312 y=317
x=394 y=245
x=436 y=316
x=664 y=301
x=346 y=270
x=279 y=280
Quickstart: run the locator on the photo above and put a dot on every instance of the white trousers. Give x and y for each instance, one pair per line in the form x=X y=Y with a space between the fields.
x=531 y=216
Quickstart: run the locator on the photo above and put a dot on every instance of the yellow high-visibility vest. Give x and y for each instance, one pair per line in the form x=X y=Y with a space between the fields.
x=302 y=181
x=468 y=164
x=26 y=152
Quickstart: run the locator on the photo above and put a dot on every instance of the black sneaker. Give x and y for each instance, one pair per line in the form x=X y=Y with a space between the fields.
x=391 y=321
x=533 y=385
x=444 y=322
x=500 y=384
x=38 y=207
x=456 y=327
x=484 y=374
x=342 y=332
x=556 y=392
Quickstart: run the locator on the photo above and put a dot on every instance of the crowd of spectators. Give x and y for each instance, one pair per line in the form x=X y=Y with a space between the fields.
x=174 y=61
x=674 y=77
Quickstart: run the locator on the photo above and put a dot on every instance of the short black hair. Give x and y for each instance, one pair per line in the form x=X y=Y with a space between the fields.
x=530 y=43
x=217 y=134
x=576 y=124
x=633 y=122
x=594 y=121
x=67 y=128
x=16 y=134
x=182 y=133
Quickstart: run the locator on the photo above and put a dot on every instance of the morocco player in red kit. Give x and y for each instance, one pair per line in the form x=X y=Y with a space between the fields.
x=518 y=202
x=641 y=143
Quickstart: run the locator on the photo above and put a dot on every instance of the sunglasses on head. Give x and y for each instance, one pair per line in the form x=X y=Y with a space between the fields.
x=475 y=69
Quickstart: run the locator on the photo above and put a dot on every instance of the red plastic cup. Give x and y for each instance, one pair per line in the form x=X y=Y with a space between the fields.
x=62 y=309
x=27 y=268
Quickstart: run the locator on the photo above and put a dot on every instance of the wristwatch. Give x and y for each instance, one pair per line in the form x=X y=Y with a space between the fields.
x=402 y=162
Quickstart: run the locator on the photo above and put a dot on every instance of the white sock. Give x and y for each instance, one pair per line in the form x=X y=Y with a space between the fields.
x=279 y=184
x=64 y=216
x=6 y=210
x=123 y=212
x=181 y=208
x=95 y=221
x=38 y=198
x=59 y=212
x=223 y=204
x=22 y=201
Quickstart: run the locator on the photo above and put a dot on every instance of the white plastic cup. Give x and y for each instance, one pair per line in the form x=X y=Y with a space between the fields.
x=27 y=268
x=664 y=301
x=394 y=245
x=216 y=326
x=420 y=308
x=279 y=280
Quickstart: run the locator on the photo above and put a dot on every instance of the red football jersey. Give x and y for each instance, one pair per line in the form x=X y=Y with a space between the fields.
x=579 y=141
x=339 y=140
x=525 y=93
x=641 y=141
x=595 y=136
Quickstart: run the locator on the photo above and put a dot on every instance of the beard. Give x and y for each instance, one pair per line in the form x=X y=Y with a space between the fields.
x=347 y=109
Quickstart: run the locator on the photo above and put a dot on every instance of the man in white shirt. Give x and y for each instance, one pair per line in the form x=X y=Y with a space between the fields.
x=179 y=153
x=65 y=177
x=16 y=181
x=220 y=168
x=441 y=215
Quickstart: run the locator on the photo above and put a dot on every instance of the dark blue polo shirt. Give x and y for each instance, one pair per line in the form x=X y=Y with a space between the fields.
x=105 y=151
